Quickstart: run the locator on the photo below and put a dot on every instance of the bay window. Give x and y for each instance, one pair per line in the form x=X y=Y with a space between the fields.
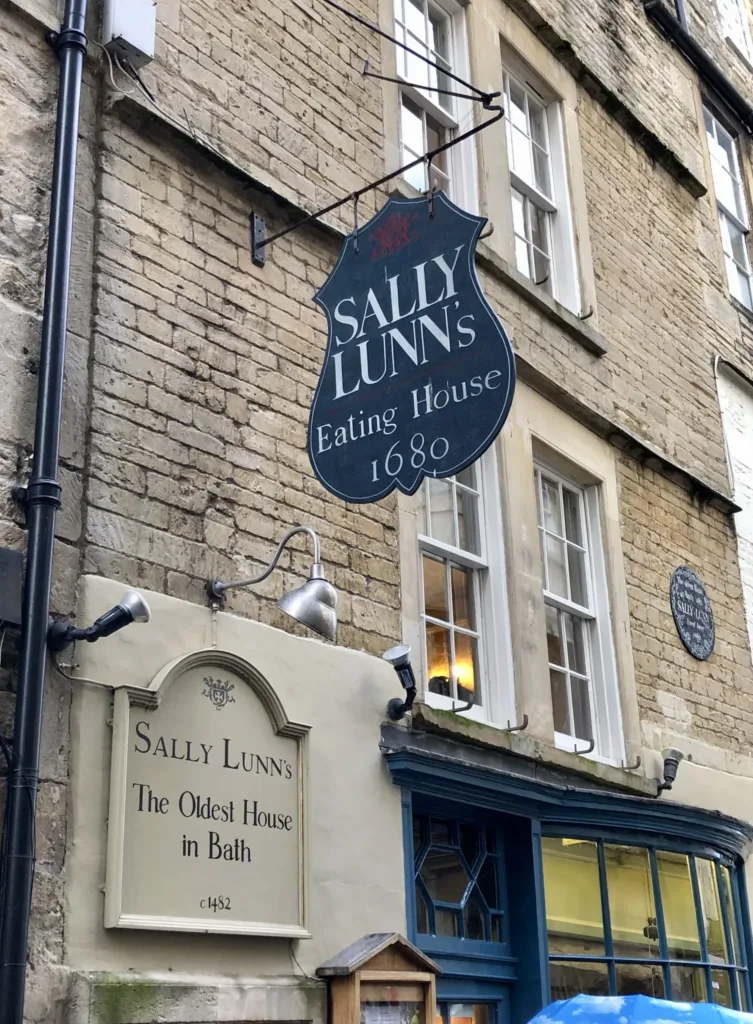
x=628 y=919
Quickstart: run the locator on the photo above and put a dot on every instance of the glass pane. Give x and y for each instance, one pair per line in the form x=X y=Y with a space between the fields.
x=688 y=984
x=438 y=659
x=737 y=243
x=555 y=562
x=518 y=214
x=541 y=269
x=554 y=636
x=560 y=705
x=541 y=178
x=473 y=919
x=496 y=928
x=462 y=596
x=444 y=876
x=631 y=901
x=468 y=530
x=576 y=562
x=573 y=896
x=470 y=843
x=583 y=726
x=435 y=588
x=678 y=905
x=521 y=257
x=466 y=668
x=417 y=836
x=446 y=923
x=467 y=477
x=571 y=979
x=537 y=123
x=721 y=986
x=639 y=980
x=441 y=832
x=576 y=643
x=422 y=915
x=712 y=911
x=392 y=1008
x=727 y=896
x=487 y=881
x=550 y=502
x=414 y=18
x=573 y=530
x=743 y=289
x=539 y=228
x=467 y=1013
x=516 y=112
x=412 y=126
x=442 y=527
x=521 y=159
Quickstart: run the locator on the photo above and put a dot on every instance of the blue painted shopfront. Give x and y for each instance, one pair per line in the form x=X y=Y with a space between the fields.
x=525 y=885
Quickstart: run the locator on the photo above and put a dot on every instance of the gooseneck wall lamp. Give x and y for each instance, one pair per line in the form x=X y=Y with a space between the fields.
x=671 y=757
x=314 y=604
x=132 y=608
x=399 y=658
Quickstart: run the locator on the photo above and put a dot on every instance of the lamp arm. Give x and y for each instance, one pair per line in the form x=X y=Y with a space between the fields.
x=218 y=588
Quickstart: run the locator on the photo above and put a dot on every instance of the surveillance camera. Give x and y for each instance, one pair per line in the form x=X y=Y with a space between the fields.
x=132 y=608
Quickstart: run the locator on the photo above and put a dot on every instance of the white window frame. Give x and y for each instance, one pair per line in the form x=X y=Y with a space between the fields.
x=726 y=216
x=564 y=284
x=495 y=663
x=460 y=116
x=601 y=662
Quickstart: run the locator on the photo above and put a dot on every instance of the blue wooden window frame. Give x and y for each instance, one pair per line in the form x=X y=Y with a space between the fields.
x=737 y=972
x=471 y=786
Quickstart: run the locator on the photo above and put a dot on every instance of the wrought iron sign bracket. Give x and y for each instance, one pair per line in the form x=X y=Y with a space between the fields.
x=259 y=241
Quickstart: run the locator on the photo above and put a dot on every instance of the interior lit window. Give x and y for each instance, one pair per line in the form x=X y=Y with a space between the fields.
x=450 y=566
x=627 y=920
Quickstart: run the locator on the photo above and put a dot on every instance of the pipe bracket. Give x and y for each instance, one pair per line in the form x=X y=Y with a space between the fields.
x=43 y=491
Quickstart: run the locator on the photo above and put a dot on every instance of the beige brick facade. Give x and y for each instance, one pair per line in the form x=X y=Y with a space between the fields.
x=190 y=371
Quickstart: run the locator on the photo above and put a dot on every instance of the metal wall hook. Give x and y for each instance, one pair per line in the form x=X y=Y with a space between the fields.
x=591 y=746
x=462 y=707
x=632 y=767
x=356 y=197
x=517 y=728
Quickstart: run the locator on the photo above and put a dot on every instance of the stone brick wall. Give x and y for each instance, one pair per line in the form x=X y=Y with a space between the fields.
x=662 y=529
x=278 y=88
x=203 y=373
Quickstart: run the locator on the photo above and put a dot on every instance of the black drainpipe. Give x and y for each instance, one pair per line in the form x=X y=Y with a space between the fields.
x=682 y=14
x=42 y=503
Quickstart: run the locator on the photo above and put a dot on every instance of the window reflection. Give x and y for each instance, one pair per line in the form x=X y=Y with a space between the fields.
x=646 y=937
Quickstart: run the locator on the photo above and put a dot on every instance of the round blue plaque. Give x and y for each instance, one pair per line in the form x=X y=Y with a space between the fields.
x=691 y=609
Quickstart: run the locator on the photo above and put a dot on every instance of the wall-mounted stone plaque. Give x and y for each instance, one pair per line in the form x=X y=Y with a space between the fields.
x=692 y=612
x=206 y=824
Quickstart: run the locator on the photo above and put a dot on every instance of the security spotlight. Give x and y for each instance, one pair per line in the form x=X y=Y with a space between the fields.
x=399 y=658
x=672 y=758
x=132 y=608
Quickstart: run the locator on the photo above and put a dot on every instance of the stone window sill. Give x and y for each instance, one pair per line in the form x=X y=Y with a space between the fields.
x=444 y=723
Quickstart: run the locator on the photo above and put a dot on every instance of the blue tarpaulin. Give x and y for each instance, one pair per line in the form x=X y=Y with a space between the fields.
x=583 y=1009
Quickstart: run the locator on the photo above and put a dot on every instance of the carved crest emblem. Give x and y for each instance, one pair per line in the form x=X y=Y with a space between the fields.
x=218 y=692
x=419 y=374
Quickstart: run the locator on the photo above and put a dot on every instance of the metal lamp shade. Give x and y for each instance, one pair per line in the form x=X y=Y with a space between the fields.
x=314 y=604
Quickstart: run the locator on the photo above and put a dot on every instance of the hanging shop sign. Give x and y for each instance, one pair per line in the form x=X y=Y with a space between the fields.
x=691 y=609
x=206 y=821
x=418 y=375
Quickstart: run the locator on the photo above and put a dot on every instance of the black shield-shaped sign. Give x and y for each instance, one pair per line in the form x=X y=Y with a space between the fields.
x=418 y=376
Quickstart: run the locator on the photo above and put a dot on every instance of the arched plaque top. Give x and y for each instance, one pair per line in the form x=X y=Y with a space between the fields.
x=231 y=662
